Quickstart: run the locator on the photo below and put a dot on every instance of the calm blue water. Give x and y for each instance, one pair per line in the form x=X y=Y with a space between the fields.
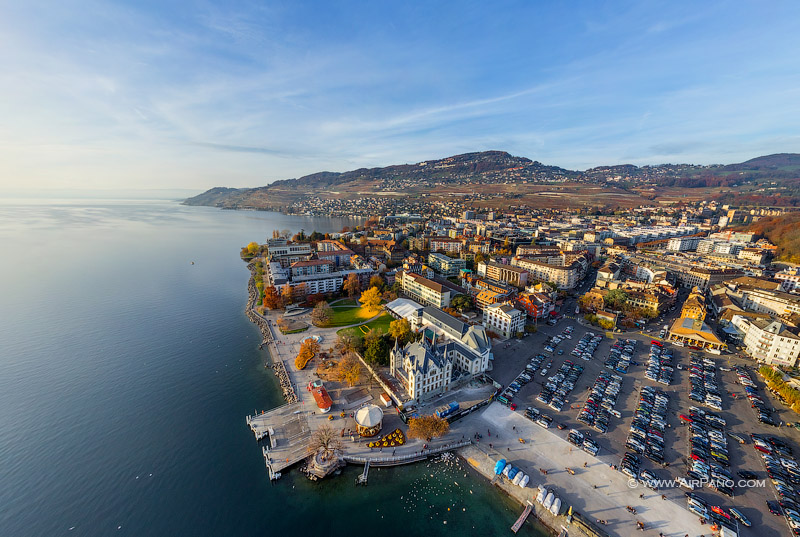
x=126 y=373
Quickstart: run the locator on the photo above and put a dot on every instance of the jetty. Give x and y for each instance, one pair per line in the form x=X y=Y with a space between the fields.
x=523 y=517
x=287 y=432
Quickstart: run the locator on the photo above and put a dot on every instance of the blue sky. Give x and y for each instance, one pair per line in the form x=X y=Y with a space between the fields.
x=159 y=94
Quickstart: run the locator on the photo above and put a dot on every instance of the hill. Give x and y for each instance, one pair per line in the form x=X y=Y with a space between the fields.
x=496 y=178
x=782 y=231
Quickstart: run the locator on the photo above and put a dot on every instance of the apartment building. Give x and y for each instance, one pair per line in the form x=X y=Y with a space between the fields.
x=445 y=244
x=516 y=276
x=311 y=267
x=286 y=253
x=564 y=276
x=768 y=341
x=425 y=291
x=683 y=244
x=446 y=266
x=504 y=320
x=789 y=278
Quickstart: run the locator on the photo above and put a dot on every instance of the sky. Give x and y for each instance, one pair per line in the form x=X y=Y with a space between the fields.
x=195 y=94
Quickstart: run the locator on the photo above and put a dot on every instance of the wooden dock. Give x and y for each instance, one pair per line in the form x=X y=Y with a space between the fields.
x=524 y=516
x=287 y=433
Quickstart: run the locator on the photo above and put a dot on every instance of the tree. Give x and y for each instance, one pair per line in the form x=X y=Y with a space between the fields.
x=371 y=298
x=348 y=370
x=427 y=427
x=346 y=342
x=479 y=258
x=351 y=285
x=322 y=314
x=376 y=348
x=308 y=349
x=461 y=302
x=287 y=294
x=400 y=330
x=325 y=441
x=377 y=281
x=606 y=324
x=616 y=298
x=252 y=248
x=285 y=233
x=272 y=299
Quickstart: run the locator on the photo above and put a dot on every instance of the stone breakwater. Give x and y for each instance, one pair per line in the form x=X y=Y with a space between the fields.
x=266 y=333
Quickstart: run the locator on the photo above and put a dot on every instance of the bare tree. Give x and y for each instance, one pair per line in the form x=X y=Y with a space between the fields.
x=326 y=441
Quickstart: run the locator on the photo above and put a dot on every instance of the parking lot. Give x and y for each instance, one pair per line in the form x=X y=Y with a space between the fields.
x=736 y=411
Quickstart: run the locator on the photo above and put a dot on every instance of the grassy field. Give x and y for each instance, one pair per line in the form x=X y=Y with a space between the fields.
x=347 y=315
x=380 y=324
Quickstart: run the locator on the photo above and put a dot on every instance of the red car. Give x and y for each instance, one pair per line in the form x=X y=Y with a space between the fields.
x=654 y=342
x=762 y=449
x=685 y=418
x=512 y=406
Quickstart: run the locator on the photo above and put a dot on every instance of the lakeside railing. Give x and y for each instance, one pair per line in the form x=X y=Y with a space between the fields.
x=356 y=459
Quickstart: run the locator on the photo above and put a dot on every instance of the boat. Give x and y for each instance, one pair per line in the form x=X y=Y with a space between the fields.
x=556 y=507
x=513 y=473
x=548 y=501
x=542 y=494
x=524 y=482
x=518 y=478
x=506 y=470
x=499 y=466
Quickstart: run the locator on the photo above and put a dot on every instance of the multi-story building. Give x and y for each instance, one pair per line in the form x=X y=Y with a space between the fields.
x=504 y=320
x=286 y=253
x=535 y=305
x=425 y=291
x=564 y=276
x=789 y=278
x=445 y=244
x=768 y=340
x=446 y=266
x=683 y=244
x=756 y=256
x=449 y=349
x=689 y=329
x=516 y=276
x=310 y=267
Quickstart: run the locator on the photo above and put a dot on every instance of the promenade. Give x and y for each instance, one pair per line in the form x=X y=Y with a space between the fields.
x=597 y=491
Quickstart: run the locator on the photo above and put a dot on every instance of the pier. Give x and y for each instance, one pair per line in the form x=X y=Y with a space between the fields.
x=288 y=434
x=523 y=517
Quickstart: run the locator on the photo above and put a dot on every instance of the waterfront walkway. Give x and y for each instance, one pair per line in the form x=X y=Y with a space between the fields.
x=288 y=433
x=597 y=491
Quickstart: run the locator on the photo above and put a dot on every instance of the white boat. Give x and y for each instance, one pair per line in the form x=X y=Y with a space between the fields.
x=506 y=469
x=556 y=507
x=548 y=502
x=525 y=480
x=542 y=494
x=518 y=478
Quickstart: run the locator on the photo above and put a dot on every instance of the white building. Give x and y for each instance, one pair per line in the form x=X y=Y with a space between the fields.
x=683 y=244
x=450 y=350
x=504 y=320
x=446 y=266
x=425 y=291
x=768 y=341
x=789 y=278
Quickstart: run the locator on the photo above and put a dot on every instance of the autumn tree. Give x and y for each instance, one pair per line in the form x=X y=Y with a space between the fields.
x=287 y=294
x=325 y=441
x=348 y=370
x=351 y=285
x=377 y=281
x=427 y=427
x=376 y=348
x=400 y=330
x=371 y=298
x=308 y=349
x=252 y=247
x=272 y=299
x=322 y=314
x=461 y=302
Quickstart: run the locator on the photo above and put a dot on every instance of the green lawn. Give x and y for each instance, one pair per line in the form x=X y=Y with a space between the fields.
x=344 y=301
x=347 y=315
x=380 y=324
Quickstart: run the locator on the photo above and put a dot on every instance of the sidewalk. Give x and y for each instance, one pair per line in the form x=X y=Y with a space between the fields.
x=544 y=449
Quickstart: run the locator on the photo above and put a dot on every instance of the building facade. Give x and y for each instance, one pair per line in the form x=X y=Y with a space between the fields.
x=425 y=291
x=768 y=341
x=504 y=320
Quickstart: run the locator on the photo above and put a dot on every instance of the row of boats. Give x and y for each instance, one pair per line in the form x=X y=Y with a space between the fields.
x=546 y=498
x=549 y=500
x=515 y=475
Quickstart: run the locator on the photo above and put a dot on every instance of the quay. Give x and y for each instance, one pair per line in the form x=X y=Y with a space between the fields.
x=287 y=430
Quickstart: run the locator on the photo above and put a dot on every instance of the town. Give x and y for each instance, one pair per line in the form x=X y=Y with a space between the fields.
x=566 y=355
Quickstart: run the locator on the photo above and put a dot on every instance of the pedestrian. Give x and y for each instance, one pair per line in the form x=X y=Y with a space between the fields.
x=508 y=449
x=663 y=497
x=641 y=496
x=585 y=464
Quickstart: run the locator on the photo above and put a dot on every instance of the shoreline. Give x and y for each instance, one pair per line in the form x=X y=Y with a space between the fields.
x=469 y=454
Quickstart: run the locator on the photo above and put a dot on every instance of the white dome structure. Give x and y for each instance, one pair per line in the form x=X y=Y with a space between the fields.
x=369 y=419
